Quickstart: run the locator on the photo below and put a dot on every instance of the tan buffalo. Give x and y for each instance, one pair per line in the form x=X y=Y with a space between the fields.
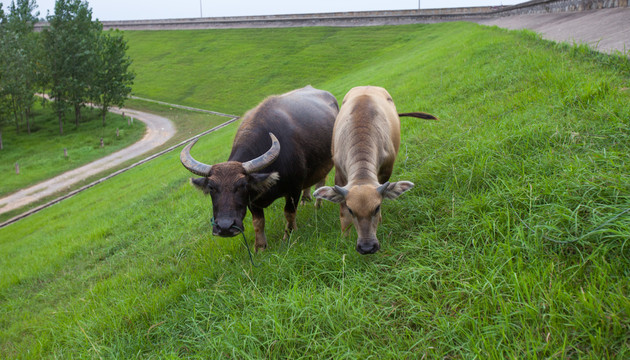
x=366 y=138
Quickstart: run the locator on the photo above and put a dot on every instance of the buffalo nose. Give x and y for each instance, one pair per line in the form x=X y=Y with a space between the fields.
x=224 y=226
x=367 y=247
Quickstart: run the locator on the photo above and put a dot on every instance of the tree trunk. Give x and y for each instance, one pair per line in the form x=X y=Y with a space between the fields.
x=60 y=123
x=77 y=113
x=23 y=117
x=104 y=113
x=1 y=146
x=15 y=115
x=27 y=113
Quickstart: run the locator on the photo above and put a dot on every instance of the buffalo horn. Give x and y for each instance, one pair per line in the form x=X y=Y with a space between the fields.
x=191 y=164
x=341 y=191
x=265 y=159
x=381 y=189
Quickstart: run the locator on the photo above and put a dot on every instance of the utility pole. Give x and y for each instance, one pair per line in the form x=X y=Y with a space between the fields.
x=200 y=9
x=418 y=4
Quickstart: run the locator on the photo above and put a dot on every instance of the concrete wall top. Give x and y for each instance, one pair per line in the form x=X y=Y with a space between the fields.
x=362 y=18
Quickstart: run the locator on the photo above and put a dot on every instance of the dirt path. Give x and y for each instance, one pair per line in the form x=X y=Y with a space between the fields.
x=159 y=130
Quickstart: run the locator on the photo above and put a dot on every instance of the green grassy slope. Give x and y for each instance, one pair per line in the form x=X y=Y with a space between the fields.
x=233 y=70
x=513 y=244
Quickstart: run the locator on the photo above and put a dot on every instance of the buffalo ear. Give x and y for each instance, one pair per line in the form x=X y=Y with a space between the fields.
x=330 y=193
x=394 y=190
x=201 y=184
x=260 y=183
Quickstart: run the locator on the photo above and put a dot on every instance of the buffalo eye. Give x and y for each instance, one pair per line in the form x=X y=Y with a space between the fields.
x=211 y=187
x=350 y=210
x=378 y=208
x=240 y=185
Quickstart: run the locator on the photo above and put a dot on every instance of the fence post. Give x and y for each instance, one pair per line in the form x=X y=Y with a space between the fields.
x=17 y=168
x=117 y=132
x=65 y=152
x=101 y=142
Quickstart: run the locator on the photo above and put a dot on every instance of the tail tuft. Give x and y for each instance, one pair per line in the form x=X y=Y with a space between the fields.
x=420 y=115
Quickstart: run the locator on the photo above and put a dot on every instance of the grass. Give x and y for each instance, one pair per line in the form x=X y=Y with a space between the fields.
x=187 y=122
x=513 y=244
x=40 y=155
x=233 y=70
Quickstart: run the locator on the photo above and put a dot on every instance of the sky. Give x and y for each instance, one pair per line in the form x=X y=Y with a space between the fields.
x=169 y=9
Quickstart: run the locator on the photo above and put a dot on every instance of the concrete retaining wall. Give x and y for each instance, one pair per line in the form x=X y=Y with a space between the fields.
x=364 y=18
x=553 y=6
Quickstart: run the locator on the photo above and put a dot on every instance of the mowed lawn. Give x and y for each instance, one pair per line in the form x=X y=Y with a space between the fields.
x=513 y=243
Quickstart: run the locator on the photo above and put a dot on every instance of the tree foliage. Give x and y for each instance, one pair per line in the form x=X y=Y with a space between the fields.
x=113 y=79
x=72 y=58
x=3 y=102
x=19 y=51
x=71 y=48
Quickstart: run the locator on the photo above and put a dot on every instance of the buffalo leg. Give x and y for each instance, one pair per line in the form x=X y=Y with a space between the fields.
x=258 y=218
x=318 y=202
x=290 y=210
x=306 y=196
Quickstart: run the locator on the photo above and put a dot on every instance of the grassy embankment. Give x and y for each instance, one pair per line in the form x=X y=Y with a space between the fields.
x=40 y=154
x=44 y=157
x=513 y=244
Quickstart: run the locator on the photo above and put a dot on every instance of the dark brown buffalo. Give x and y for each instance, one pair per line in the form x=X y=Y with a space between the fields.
x=281 y=148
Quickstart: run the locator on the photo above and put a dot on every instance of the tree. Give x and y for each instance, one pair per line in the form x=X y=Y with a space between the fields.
x=71 y=47
x=3 y=103
x=19 y=53
x=113 y=78
x=4 y=115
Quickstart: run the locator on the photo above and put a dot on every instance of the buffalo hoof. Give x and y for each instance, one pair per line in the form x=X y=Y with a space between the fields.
x=260 y=247
x=287 y=234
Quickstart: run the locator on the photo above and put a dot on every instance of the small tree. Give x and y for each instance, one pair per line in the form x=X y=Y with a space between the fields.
x=20 y=49
x=4 y=116
x=3 y=102
x=71 y=47
x=113 y=80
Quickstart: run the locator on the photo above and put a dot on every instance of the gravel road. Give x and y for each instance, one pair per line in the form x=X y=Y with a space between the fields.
x=159 y=130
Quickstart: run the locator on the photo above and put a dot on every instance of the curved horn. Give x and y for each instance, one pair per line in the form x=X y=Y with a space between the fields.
x=341 y=191
x=381 y=189
x=191 y=164
x=265 y=159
